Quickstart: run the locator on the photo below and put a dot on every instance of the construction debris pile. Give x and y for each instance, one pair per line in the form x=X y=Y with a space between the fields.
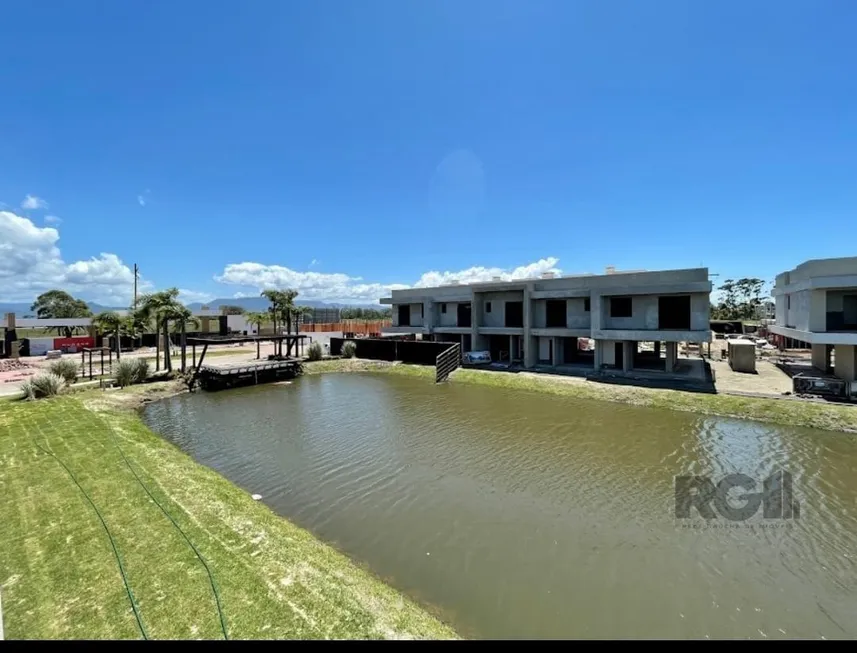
x=12 y=370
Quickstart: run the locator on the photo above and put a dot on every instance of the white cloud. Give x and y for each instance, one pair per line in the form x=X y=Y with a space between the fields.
x=313 y=262
x=31 y=263
x=141 y=200
x=53 y=219
x=337 y=287
x=31 y=203
x=191 y=296
x=479 y=274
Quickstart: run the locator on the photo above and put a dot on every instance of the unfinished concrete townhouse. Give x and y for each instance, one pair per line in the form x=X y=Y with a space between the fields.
x=537 y=323
x=816 y=302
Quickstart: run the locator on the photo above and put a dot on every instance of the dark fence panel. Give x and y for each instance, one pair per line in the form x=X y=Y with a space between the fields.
x=407 y=351
x=421 y=353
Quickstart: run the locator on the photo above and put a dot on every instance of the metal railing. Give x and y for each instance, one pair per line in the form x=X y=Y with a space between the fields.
x=447 y=362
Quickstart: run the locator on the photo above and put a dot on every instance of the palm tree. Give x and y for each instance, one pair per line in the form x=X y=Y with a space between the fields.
x=182 y=318
x=300 y=313
x=160 y=307
x=258 y=318
x=282 y=305
x=110 y=322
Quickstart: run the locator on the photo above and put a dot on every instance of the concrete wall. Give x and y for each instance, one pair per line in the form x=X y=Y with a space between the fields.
x=829 y=267
x=608 y=351
x=842 y=301
x=575 y=315
x=497 y=316
x=450 y=318
x=644 y=314
x=544 y=349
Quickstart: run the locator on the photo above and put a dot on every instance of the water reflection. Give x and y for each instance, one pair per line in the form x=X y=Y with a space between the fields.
x=526 y=515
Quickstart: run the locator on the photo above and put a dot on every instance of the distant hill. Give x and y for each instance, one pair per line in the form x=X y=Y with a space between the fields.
x=22 y=309
x=261 y=304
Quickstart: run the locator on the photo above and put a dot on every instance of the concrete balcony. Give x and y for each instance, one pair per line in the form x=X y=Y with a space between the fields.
x=561 y=332
x=452 y=329
x=405 y=329
x=658 y=335
x=500 y=331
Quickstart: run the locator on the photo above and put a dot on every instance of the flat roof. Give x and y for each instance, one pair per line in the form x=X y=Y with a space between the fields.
x=230 y=340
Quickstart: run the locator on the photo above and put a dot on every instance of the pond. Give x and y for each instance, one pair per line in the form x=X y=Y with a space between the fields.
x=521 y=515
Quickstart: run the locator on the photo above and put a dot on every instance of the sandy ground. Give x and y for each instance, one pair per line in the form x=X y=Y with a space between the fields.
x=10 y=381
x=769 y=379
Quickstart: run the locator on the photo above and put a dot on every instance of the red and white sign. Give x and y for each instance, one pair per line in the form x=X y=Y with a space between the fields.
x=72 y=345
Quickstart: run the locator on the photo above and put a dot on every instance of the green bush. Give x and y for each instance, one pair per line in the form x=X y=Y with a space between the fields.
x=349 y=349
x=46 y=384
x=315 y=352
x=141 y=372
x=131 y=371
x=65 y=368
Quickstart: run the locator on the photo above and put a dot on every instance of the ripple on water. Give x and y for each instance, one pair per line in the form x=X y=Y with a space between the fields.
x=534 y=516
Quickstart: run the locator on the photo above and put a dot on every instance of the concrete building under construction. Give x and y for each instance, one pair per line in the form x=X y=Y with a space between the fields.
x=538 y=322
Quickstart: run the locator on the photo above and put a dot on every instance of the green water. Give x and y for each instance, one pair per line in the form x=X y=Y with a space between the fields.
x=520 y=515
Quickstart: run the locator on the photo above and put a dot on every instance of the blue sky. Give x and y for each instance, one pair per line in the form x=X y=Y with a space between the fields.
x=345 y=147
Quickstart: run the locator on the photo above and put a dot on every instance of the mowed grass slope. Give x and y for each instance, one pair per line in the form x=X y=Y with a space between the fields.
x=59 y=574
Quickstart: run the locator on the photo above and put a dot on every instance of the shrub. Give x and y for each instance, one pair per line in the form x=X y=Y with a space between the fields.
x=66 y=368
x=141 y=372
x=131 y=371
x=315 y=352
x=46 y=384
x=349 y=349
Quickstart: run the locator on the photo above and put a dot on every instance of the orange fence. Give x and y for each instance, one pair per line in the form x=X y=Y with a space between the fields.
x=348 y=326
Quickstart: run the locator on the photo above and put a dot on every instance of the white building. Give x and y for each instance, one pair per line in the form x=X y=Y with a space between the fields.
x=538 y=322
x=817 y=303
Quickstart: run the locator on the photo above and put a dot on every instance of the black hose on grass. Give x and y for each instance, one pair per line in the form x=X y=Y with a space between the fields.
x=134 y=607
x=183 y=534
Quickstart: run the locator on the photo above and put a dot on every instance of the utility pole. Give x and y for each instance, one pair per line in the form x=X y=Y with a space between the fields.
x=136 y=274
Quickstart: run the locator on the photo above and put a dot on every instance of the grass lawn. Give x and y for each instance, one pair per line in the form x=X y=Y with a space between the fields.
x=59 y=573
x=791 y=412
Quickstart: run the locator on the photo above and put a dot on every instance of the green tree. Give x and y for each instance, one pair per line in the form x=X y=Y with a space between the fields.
x=739 y=300
x=232 y=310
x=59 y=304
x=282 y=309
x=257 y=318
x=159 y=308
x=113 y=324
x=182 y=318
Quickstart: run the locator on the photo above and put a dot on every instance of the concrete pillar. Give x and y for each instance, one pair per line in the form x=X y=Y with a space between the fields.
x=628 y=349
x=820 y=357
x=428 y=313
x=672 y=356
x=556 y=358
x=846 y=362
x=599 y=355
x=475 y=319
x=596 y=311
x=530 y=343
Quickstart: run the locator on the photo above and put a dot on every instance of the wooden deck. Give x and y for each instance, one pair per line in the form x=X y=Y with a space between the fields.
x=231 y=375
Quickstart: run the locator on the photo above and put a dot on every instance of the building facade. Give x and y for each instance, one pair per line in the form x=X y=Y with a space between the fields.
x=816 y=302
x=540 y=322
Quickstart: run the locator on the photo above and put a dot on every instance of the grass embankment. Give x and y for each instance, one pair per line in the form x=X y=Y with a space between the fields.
x=59 y=573
x=792 y=412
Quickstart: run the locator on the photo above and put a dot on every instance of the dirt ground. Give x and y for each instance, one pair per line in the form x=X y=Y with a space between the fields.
x=768 y=380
